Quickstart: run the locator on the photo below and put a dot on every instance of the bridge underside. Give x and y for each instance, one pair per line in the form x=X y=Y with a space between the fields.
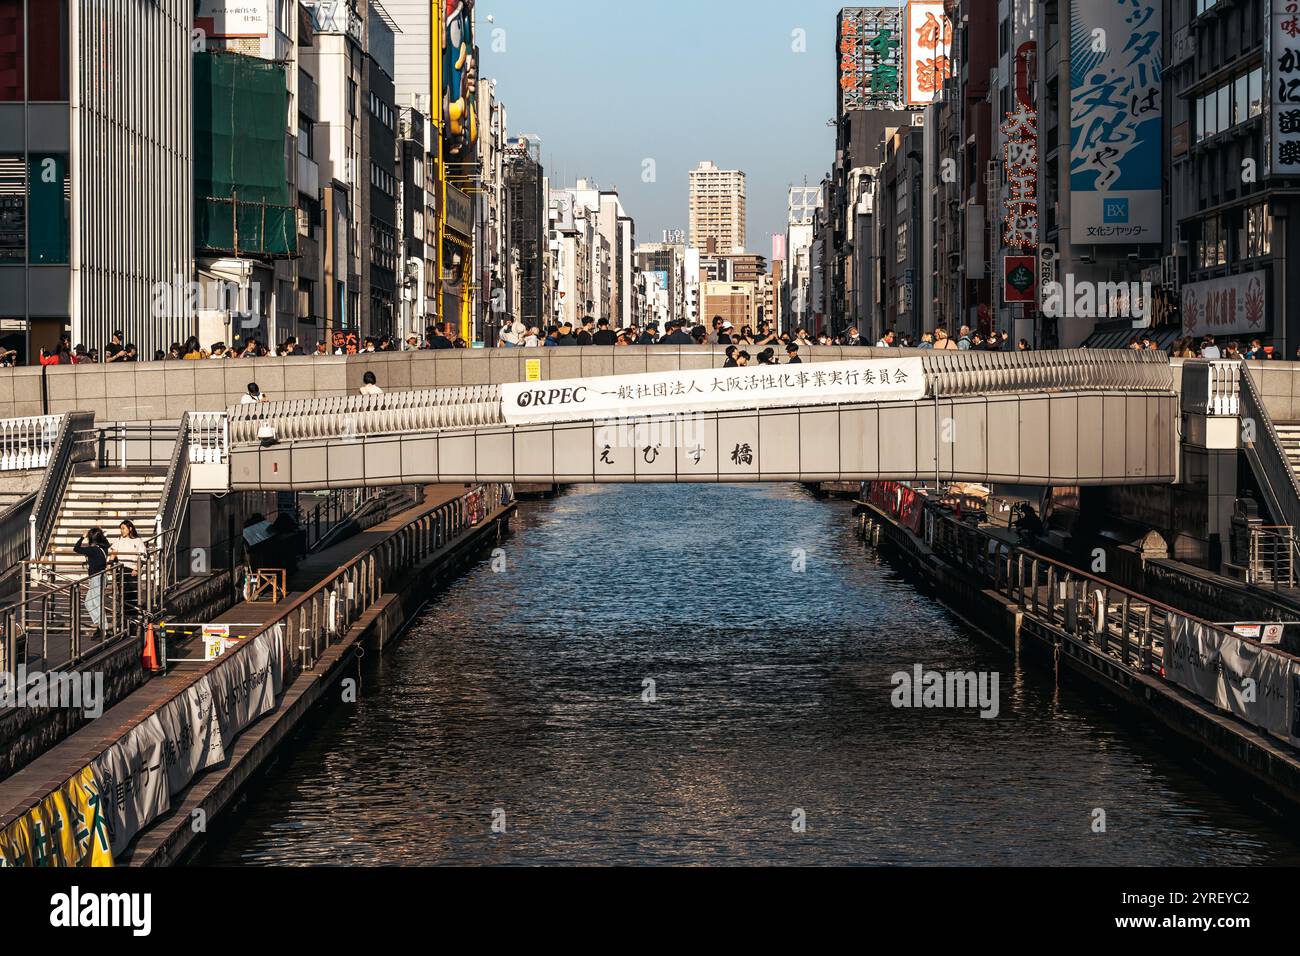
x=1075 y=438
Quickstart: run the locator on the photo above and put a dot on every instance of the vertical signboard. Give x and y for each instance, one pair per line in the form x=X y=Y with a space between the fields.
x=1020 y=155
x=1116 y=71
x=870 y=60
x=1284 y=81
x=929 y=51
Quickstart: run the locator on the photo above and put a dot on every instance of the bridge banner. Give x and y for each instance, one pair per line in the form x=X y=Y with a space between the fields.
x=67 y=828
x=711 y=390
x=1237 y=676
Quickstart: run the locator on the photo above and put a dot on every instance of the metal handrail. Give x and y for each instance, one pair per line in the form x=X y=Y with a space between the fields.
x=71 y=446
x=56 y=621
x=176 y=489
x=125 y=437
x=1272 y=558
x=1277 y=479
x=1123 y=624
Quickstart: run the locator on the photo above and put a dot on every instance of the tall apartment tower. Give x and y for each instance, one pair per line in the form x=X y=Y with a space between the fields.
x=717 y=208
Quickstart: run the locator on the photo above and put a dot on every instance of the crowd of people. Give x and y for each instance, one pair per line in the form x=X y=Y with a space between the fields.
x=599 y=332
x=342 y=343
x=722 y=332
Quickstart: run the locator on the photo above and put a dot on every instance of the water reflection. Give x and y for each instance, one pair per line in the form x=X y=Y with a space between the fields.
x=525 y=694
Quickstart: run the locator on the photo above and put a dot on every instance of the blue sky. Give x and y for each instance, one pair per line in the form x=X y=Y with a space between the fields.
x=607 y=84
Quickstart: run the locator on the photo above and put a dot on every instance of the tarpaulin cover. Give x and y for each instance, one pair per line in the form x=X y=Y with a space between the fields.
x=240 y=105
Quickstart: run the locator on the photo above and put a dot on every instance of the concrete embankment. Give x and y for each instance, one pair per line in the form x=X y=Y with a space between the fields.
x=1267 y=769
x=175 y=754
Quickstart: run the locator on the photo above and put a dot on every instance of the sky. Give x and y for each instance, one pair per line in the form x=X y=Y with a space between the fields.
x=610 y=84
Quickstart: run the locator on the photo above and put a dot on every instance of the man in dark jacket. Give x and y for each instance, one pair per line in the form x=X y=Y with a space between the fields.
x=437 y=340
x=677 y=335
x=650 y=336
x=792 y=350
x=566 y=336
x=603 y=335
x=585 y=334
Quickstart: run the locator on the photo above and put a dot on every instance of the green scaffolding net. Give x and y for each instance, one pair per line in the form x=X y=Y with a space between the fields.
x=241 y=191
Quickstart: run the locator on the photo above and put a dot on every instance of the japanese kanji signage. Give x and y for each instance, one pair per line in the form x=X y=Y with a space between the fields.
x=1116 y=72
x=1230 y=305
x=929 y=51
x=1284 y=82
x=870 y=58
x=1020 y=155
x=675 y=393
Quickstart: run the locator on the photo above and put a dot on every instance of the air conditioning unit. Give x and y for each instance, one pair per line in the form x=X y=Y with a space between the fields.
x=991 y=172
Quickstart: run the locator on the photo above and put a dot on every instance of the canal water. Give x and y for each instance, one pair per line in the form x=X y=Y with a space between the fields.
x=671 y=674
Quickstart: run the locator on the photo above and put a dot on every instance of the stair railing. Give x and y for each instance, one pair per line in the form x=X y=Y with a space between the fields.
x=74 y=443
x=157 y=570
x=1277 y=479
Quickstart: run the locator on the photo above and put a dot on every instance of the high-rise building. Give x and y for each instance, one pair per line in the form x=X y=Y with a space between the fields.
x=526 y=201
x=717 y=202
x=96 y=172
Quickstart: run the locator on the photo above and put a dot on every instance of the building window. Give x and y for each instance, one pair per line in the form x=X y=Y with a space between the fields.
x=11 y=51
x=1259 y=231
x=13 y=210
x=305 y=146
x=1212 y=248
x=47 y=52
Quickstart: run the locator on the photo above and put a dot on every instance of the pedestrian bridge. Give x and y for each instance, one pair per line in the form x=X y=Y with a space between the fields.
x=1046 y=418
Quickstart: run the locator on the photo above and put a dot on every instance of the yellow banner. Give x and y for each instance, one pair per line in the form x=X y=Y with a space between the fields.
x=67 y=828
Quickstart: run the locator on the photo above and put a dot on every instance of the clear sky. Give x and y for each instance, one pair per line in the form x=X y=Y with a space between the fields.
x=609 y=84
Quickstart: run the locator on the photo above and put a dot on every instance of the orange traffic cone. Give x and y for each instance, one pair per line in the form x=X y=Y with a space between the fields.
x=150 y=659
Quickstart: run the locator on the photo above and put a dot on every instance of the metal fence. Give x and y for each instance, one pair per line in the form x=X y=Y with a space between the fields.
x=1123 y=625
x=56 y=627
x=322 y=616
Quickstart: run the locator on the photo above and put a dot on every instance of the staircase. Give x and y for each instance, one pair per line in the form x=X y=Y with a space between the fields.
x=96 y=498
x=1288 y=435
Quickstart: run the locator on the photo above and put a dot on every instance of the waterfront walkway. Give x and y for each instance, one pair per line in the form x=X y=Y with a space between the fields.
x=44 y=775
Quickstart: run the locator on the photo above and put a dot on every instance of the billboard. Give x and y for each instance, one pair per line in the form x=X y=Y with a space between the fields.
x=1283 y=78
x=870 y=58
x=1116 y=71
x=1020 y=155
x=232 y=18
x=929 y=51
x=459 y=82
x=1232 y=305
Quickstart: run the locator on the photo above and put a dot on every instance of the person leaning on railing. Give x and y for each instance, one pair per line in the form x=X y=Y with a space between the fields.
x=93 y=546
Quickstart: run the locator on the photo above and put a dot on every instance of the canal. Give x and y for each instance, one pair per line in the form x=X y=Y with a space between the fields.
x=669 y=674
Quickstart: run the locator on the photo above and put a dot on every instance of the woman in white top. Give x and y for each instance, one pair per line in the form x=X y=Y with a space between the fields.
x=252 y=396
x=370 y=385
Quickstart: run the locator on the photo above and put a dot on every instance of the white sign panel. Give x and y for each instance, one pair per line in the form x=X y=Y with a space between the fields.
x=676 y=393
x=233 y=18
x=928 y=52
x=1227 y=306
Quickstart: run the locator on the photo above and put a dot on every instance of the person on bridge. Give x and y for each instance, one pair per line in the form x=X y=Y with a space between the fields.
x=886 y=340
x=650 y=336
x=252 y=396
x=792 y=350
x=586 y=331
x=731 y=357
x=677 y=335
x=370 y=385
x=93 y=546
x=942 y=341
x=602 y=335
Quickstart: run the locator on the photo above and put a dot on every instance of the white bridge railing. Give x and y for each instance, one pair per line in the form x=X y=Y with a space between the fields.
x=26 y=443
